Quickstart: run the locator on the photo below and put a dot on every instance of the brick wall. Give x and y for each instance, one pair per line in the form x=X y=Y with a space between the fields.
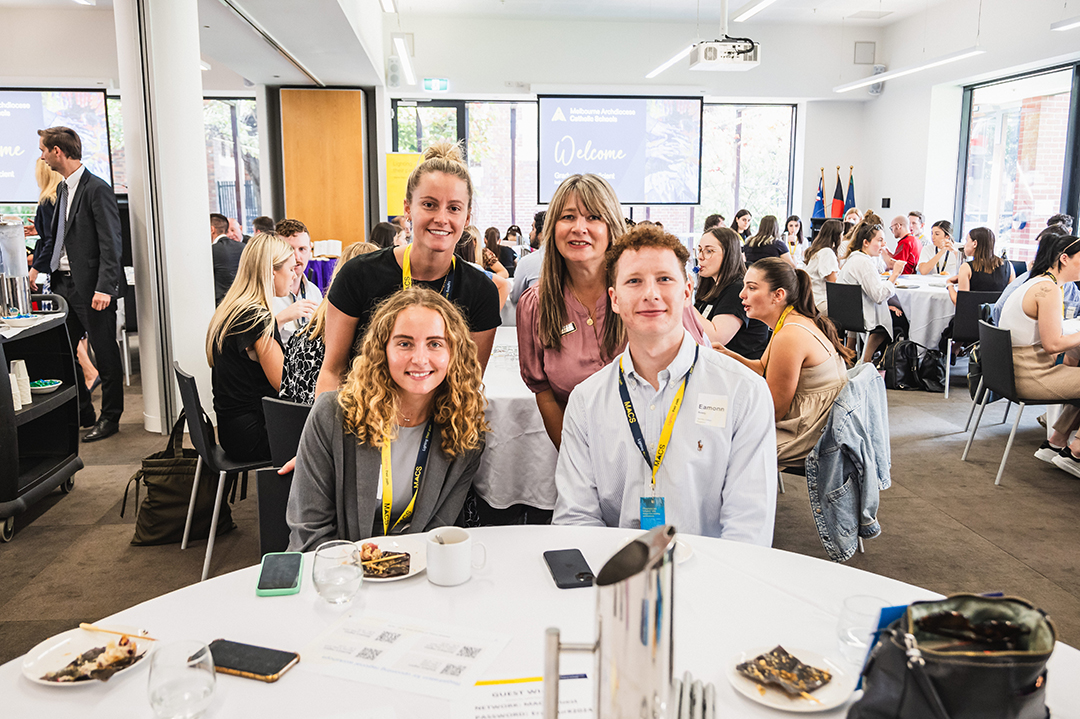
x=1039 y=168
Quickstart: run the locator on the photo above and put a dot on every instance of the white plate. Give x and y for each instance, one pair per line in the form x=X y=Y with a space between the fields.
x=834 y=694
x=46 y=390
x=59 y=651
x=18 y=321
x=414 y=544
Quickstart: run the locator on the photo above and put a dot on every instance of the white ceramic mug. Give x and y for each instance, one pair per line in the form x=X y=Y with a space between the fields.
x=450 y=561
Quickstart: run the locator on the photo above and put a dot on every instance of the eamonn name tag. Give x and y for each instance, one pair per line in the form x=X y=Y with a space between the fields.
x=711 y=410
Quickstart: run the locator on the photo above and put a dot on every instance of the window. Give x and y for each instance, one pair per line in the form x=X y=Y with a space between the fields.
x=747 y=154
x=232 y=158
x=1015 y=158
x=116 y=145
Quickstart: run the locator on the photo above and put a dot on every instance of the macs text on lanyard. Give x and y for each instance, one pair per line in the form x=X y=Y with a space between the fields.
x=652 y=507
x=386 y=488
x=406 y=274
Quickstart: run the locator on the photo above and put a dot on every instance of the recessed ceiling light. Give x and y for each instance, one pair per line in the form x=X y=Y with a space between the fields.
x=753 y=9
x=1062 y=25
x=893 y=74
x=388 y=6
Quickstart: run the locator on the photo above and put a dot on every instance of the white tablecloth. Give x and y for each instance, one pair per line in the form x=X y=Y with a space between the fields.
x=729 y=597
x=927 y=305
x=518 y=464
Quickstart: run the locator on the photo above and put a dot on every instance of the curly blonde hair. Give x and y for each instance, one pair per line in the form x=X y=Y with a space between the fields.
x=370 y=400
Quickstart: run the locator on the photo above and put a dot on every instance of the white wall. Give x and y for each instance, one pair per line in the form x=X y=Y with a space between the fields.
x=833 y=134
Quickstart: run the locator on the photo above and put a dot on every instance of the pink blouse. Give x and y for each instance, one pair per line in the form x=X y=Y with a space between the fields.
x=580 y=357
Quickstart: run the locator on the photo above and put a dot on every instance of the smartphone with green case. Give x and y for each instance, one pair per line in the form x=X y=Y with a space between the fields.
x=280 y=574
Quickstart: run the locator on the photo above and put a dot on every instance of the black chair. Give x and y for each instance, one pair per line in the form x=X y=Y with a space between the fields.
x=845 y=306
x=1019 y=267
x=995 y=348
x=284 y=425
x=966 y=324
x=273 y=491
x=211 y=454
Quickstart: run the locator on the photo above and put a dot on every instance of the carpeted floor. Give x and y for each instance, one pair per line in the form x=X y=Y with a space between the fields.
x=946 y=526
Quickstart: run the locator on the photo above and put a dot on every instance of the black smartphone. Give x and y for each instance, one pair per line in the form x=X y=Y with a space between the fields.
x=247 y=660
x=280 y=574
x=568 y=568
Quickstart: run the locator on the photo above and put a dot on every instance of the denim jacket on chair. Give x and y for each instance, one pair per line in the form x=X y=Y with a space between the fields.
x=849 y=465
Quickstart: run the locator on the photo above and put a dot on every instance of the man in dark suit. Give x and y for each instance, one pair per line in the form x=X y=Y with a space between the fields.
x=83 y=261
x=226 y=251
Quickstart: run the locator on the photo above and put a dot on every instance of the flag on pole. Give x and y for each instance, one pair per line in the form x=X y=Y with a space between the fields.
x=819 y=203
x=850 y=201
x=837 y=209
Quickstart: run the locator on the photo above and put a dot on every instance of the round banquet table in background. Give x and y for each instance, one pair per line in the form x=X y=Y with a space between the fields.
x=518 y=464
x=926 y=302
x=729 y=597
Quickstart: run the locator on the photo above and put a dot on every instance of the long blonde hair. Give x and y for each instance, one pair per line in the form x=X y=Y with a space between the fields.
x=317 y=326
x=48 y=180
x=253 y=289
x=370 y=399
x=596 y=197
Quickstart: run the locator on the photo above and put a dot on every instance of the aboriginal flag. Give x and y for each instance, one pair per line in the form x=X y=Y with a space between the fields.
x=838 y=198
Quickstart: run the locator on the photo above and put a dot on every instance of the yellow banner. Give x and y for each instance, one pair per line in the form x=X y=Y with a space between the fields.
x=399 y=165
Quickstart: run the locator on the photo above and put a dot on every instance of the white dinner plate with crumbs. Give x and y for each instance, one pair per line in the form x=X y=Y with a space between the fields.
x=414 y=544
x=837 y=692
x=57 y=652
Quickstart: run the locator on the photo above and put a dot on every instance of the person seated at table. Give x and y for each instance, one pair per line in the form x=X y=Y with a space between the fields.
x=853 y=216
x=468 y=249
x=1033 y=316
x=412 y=406
x=986 y=272
x=907 y=247
x=565 y=328
x=383 y=235
x=796 y=242
x=861 y=269
x=527 y=273
x=438 y=202
x=717 y=304
x=503 y=253
x=822 y=264
x=304 y=350
x=767 y=243
x=940 y=257
x=1044 y=244
x=805 y=363
x=243 y=346
x=741 y=223
x=705 y=418
x=295 y=309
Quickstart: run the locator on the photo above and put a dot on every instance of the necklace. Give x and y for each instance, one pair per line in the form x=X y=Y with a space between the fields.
x=589 y=321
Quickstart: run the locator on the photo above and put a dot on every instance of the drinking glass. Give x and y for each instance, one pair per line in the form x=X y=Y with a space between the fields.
x=336 y=571
x=182 y=679
x=857 y=625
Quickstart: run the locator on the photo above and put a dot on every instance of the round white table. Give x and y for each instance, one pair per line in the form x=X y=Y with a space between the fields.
x=729 y=597
x=927 y=304
x=518 y=464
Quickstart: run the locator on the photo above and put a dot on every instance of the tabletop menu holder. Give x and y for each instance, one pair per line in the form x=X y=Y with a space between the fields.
x=633 y=650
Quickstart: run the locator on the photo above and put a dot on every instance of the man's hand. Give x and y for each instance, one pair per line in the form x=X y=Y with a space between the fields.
x=288 y=466
x=33 y=279
x=300 y=308
x=100 y=301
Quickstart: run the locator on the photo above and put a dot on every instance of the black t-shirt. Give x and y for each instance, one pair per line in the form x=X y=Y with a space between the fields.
x=754 y=253
x=995 y=281
x=508 y=258
x=239 y=381
x=751 y=340
x=366 y=280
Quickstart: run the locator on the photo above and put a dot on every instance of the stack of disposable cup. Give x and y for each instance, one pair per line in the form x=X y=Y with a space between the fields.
x=16 y=398
x=18 y=368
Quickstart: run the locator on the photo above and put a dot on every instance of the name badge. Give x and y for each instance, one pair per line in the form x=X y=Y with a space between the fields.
x=652 y=512
x=711 y=410
x=568 y=328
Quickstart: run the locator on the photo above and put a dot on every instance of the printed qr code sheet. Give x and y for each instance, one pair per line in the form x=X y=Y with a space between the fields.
x=405 y=653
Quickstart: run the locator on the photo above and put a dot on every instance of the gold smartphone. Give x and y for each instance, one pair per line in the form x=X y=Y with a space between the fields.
x=247 y=660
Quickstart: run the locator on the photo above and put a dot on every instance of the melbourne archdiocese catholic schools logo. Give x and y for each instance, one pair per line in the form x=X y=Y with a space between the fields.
x=558 y=116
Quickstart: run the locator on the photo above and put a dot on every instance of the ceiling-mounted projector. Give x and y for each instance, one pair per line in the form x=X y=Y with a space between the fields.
x=726 y=55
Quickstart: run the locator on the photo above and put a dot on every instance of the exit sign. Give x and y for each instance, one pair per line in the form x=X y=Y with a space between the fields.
x=436 y=84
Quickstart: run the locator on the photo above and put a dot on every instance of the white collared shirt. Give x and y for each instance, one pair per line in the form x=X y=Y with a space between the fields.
x=72 y=182
x=718 y=477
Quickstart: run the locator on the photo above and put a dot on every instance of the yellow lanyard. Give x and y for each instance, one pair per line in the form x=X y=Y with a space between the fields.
x=406 y=273
x=779 y=324
x=388 y=480
x=669 y=423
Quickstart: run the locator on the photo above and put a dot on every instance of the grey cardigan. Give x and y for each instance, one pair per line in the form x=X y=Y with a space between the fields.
x=333 y=489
